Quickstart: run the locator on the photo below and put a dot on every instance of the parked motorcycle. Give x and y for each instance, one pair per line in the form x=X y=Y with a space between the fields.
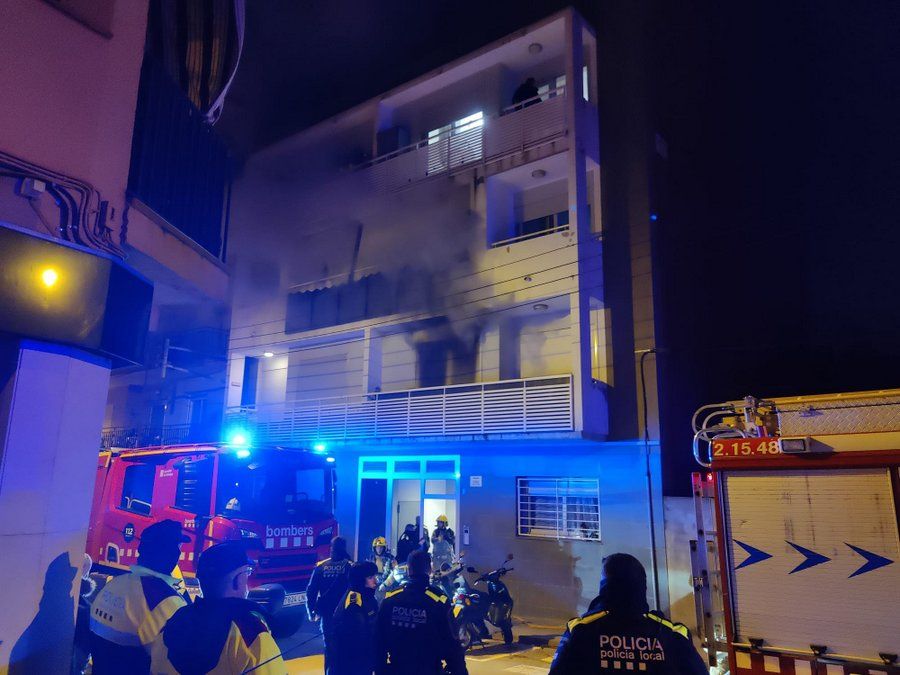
x=471 y=607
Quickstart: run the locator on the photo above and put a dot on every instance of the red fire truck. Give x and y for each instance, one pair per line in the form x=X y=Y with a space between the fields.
x=280 y=501
x=805 y=501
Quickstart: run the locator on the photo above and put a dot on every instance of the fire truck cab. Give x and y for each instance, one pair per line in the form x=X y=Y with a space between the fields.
x=806 y=493
x=278 y=500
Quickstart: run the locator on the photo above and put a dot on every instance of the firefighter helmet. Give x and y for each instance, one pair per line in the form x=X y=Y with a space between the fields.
x=379 y=541
x=443 y=519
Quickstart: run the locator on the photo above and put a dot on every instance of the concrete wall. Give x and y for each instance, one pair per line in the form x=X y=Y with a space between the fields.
x=681 y=528
x=554 y=580
x=51 y=408
x=70 y=94
x=325 y=371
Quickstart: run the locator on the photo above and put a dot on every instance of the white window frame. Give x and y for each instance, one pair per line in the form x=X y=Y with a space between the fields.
x=564 y=500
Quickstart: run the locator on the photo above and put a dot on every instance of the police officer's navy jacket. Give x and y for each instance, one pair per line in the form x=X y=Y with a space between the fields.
x=607 y=642
x=219 y=636
x=327 y=586
x=127 y=616
x=413 y=634
x=352 y=646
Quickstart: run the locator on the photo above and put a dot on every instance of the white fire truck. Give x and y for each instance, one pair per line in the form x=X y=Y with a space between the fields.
x=804 y=533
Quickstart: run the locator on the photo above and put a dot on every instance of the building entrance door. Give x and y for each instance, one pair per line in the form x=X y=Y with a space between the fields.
x=418 y=490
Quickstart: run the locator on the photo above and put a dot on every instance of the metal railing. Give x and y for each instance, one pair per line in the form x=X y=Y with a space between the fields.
x=533 y=405
x=517 y=128
x=142 y=437
x=530 y=235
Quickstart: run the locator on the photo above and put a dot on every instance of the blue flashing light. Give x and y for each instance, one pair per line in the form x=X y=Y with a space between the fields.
x=242 y=453
x=319 y=447
x=239 y=439
x=458 y=475
x=654 y=217
x=330 y=460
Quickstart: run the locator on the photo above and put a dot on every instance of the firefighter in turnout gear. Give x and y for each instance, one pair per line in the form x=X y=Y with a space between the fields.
x=222 y=632
x=413 y=635
x=352 y=645
x=131 y=610
x=327 y=586
x=618 y=633
x=385 y=562
x=443 y=528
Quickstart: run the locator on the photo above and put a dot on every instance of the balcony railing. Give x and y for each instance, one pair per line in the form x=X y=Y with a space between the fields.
x=142 y=437
x=533 y=405
x=515 y=129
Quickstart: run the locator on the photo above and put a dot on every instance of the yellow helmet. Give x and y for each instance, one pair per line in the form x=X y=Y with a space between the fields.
x=443 y=519
x=379 y=541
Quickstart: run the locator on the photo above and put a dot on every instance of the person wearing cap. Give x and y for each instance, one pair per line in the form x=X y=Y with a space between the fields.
x=413 y=635
x=619 y=633
x=326 y=587
x=130 y=611
x=221 y=633
x=352 y=645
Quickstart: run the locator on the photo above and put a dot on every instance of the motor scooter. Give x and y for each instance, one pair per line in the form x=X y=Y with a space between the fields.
x=471 y=607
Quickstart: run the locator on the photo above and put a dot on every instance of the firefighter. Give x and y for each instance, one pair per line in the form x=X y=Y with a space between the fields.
x=130 y=611
x=618 y=633
x=443 y=528
x=413 y=634
x=327 y=586
x=352 y=645
x=222 y=632
x=381 y=556
x=386 y=563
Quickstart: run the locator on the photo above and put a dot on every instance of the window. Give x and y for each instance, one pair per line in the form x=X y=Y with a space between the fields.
x=455 y=144
x=558 y=508
x=137 y=494
x=194 y=488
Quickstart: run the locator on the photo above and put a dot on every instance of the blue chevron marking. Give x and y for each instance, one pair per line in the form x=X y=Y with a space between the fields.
x=755 y=554
x=873 y=560
x=812 y=558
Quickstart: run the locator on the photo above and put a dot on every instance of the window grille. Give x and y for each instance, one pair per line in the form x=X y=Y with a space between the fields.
x=558 y=508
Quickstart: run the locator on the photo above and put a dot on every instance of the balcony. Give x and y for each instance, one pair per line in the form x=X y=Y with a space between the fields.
x=180 y=168
x=516 y=129
x=533 y=405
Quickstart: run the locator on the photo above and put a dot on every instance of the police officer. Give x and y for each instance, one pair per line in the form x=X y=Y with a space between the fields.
x=413 y=635
x=223 y=632
x=352 y=645
x=619 y=634
x=326 y=587
x=443 y=529
x=130 y=611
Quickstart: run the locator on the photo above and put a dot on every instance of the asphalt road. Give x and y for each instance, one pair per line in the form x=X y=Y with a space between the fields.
x=303 y=654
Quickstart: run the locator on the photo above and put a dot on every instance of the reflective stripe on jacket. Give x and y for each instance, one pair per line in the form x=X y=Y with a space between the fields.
x=127 y=616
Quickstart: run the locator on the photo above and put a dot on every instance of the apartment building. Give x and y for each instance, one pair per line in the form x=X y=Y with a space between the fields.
x=419 y=290
x=113 y=202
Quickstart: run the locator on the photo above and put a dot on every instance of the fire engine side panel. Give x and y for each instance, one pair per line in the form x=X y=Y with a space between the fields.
x=814 y=559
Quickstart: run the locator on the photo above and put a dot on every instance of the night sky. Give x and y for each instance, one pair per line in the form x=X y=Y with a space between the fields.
x=777 y=244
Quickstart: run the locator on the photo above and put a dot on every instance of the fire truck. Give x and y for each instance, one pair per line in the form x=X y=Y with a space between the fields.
x=803 y=533
x=279 y=501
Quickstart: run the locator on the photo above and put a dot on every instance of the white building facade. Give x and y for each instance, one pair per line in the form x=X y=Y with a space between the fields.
x=419 y=291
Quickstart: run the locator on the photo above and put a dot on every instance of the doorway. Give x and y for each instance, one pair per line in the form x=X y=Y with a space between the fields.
x=405 y=490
